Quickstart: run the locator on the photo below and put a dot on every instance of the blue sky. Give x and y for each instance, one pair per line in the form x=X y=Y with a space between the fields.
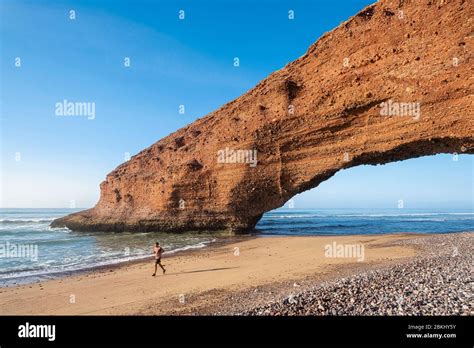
x=173 y=62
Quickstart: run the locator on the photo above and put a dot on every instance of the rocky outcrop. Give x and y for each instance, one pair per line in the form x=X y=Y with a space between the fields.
x=391 y=83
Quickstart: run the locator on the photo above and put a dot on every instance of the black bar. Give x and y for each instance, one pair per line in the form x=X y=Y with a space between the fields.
x=138 y=330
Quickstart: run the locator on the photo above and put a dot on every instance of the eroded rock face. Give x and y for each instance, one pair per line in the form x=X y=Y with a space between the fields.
x=393 y=82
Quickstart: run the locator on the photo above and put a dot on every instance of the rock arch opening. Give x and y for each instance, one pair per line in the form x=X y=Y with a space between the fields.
x=432 y=194
x=439 y=182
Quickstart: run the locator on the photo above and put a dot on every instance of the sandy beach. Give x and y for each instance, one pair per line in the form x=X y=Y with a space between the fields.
x=202 y=281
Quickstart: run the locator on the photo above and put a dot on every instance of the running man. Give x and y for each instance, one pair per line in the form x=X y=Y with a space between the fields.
x=157 y=250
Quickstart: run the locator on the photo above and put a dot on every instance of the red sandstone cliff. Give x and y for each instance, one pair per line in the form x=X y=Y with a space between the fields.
x=319 y=114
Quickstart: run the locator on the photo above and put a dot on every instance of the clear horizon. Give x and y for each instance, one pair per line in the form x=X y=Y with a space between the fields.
x=49 y=161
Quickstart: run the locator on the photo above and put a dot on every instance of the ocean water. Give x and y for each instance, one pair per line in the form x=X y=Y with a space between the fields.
x=364 y=221
x=52 y=252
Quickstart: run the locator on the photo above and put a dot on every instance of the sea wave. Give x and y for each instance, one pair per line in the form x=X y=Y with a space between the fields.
x=194 y=246
x=23 y=221
x=302 y=216
x=402 y=214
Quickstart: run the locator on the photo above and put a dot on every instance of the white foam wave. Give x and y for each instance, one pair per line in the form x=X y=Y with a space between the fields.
x=12 y=221
x=299 y=216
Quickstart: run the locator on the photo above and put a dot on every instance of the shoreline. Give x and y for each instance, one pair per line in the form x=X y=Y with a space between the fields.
x=189 y=272
x=213 y=280
x=35 y=279
x=218 y=240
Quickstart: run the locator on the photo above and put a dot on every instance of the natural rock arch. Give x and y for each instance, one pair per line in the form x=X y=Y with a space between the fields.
x=321 y=113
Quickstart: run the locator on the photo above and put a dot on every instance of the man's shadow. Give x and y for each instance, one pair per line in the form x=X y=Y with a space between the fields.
x=207 y=270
